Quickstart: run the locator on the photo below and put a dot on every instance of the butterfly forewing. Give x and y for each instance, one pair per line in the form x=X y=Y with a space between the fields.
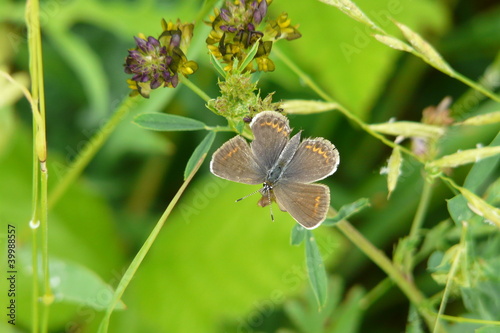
x=314 y=159
x=271 y=132
x=234 y=161
x=307 y=203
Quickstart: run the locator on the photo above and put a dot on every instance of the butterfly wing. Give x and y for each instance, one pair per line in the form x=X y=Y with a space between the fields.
x=307 y=203
x=314 y=159
x=271 y=131
x=234 y=161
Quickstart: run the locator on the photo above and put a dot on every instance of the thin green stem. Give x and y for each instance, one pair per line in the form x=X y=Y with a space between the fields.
x=136 y=262
x=425 y=199
x=48 y=297
x=451 y=276
x=469 y=320
x=476 y=86
x=92 y=147
x=188 y=83
x=380 y=259
x=40 y=212
x=348 y=114
x=35 y=316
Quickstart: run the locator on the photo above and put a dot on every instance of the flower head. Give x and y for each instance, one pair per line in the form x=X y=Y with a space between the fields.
x=156 y=62
x=235 y=31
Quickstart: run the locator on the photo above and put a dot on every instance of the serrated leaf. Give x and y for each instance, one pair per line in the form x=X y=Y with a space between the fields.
x=394 y=43
x=349 y=8
x=426 y=51
x=167 y=122
x=316 y=270
x=301 y=106
x=483 y=119
x=394 y=170
x=408 y=129
x=201 y=149
x=347 y=211
x=465 y=157
x=298 y=234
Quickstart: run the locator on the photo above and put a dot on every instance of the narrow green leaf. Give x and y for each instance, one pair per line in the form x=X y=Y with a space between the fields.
x=347 y=211
x=426 y=51
x=465 y=157
x=300 y=106
x=316 y=270
x=459 y=210
x=482 y=170
x=394 y=170
x=201 y=149
x=483 y=119
x=394 y=43
x=248 y=59
x=481 y=207
x=408 y=129
x=349 y=313
x=350 y=9
x=298 y=234
x=167 y=122
x=218 y=66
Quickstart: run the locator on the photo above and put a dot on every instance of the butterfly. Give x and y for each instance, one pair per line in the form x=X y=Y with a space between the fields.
x=285 y=166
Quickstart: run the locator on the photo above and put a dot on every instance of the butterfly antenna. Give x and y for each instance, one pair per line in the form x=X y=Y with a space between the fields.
x=246 y=196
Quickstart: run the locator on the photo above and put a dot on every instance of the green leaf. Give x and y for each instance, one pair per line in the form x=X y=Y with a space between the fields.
x=394 y=170
x=350 y=9
x=298 y=234
x=316 y=270
x=218 y=66
x=71 y=282
x=482 y=169
x=483 y=119
x=465 y=157
x=249 y=57
x=167 y=122
x=393 y=42
x=347 y=211
x=301 y=106
x=408 y=129
x=349 y=313
x=426 y=51
x=201 y=149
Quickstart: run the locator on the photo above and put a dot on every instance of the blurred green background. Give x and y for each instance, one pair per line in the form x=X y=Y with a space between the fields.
x=220 y=266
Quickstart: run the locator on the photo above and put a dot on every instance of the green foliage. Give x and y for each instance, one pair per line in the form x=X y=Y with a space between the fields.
x=421 y=236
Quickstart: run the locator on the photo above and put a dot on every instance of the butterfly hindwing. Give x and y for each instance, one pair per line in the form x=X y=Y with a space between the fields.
x=307 y=203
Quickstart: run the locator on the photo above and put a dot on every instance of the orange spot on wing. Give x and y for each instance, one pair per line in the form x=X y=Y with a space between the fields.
x=231 y=153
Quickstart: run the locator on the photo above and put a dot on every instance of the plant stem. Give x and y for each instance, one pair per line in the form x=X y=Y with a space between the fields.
x=379 y=258
x=188 y=83
x=136 y=262
x=451 y=275
x=348 y=114
x=92 y=147
x=423 y=205
x=35 y=317
x=48 y=297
